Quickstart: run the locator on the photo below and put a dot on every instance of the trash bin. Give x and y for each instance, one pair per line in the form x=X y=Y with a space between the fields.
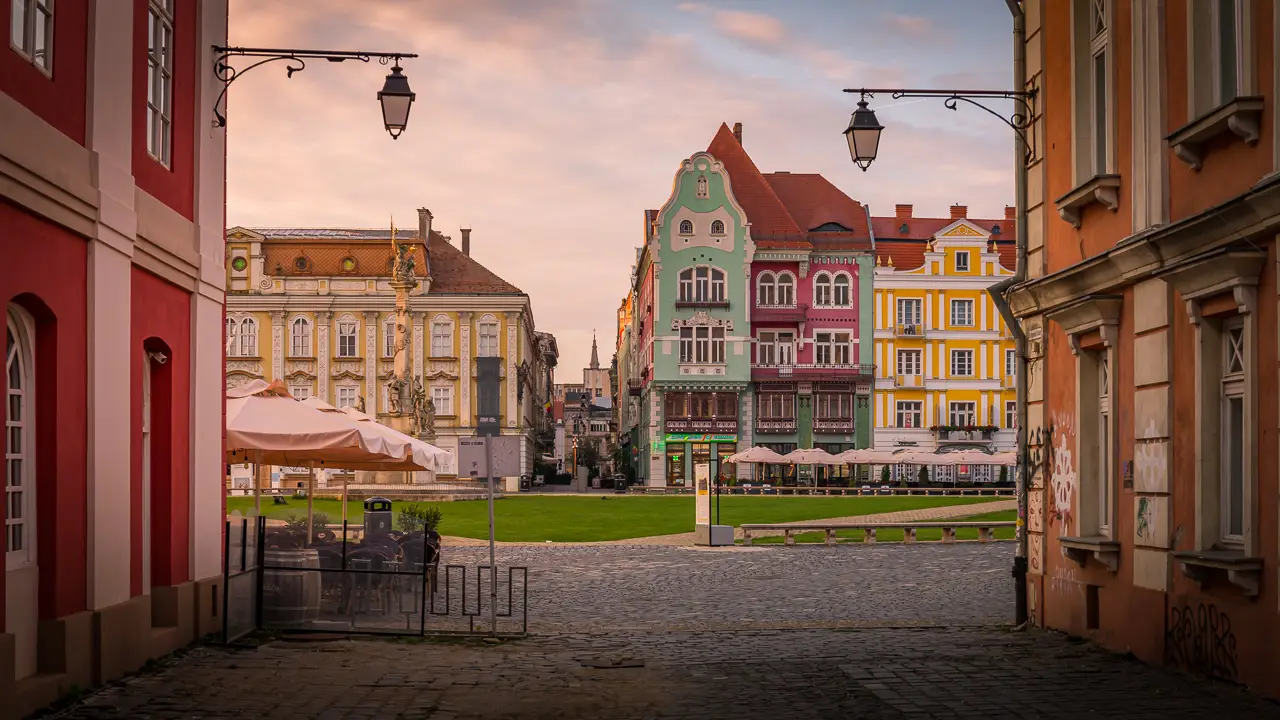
x=377 y=516
x=525 y=482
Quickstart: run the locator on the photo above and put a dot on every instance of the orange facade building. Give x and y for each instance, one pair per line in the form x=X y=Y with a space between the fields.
x=1150 y=308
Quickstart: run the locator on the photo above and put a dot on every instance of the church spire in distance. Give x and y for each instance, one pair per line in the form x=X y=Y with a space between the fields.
x=595 y=354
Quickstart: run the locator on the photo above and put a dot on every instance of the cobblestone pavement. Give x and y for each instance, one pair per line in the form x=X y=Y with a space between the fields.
x=686 y=539
x=877 y=632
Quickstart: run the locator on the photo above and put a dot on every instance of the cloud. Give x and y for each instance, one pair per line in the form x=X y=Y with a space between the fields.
x=913 y=26
x=752 y=27
x=548 y=128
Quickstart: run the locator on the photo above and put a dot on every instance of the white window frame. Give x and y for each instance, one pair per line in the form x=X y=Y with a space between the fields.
x=961 y=307
x=441 y=337
x=961 y=360
x=25 y=45
x=1233 y=448
x=18 y=323
x=910 y=362
x=248 y=337
x=1105 y=486
x=1011 y=414
x=962 y=412
x=842 y=282
x=389 y=337
x=1209 y=85
x=962 y=255
x=300 y=337
x=488 y=337
x=160 y=81
x=717 y=227
x=1094 y=153
x=686 y=344
x=348 y=339
x=718 y=286
x=910 y=311
x=1011 y=363
x=823 y=291
x=766 y=290
x=910 y=414
x=442 y=396
x=346 y=396
x=684 y=286
x=786 y=290
x=300 y=392
x=685 y=227
x=232 y=338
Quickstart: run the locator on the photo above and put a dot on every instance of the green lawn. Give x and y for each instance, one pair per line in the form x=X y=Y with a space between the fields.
x=610 y=517
x=894 y=535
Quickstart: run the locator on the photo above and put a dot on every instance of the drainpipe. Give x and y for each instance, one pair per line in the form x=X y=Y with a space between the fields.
x=1019 y=337
x=871 y=400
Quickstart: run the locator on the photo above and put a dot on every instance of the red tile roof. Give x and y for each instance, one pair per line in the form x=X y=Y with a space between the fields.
x=767 y=214
x=325 y=249
x=909 y=254
x=890 y=228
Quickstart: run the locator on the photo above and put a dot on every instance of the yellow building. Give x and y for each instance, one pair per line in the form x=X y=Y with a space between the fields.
x=944 y=358
x=314 y=308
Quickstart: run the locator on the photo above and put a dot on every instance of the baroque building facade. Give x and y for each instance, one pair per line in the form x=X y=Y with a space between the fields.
x=1150 y=309
x=747 y=322
x=111 y=218
x=314 y=308
x=946 y=362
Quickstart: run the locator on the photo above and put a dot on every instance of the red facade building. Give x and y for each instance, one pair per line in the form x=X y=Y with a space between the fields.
x=1150 y=310
x=111 y=227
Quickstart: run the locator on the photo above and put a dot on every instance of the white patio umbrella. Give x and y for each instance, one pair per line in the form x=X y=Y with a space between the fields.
x=925 y=457
x=424 y=454
x=812 y=456
x=871 y=456
x=757 y=454
x=1004 y=458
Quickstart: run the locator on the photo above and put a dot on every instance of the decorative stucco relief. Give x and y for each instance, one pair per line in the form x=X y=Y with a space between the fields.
x=370 y=358
x=322 y=354
x=1063 y=481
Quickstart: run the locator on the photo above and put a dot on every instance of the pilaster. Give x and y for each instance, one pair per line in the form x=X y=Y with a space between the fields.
x=464 y=370
x=324 y=319
x=513 y=409
x=277 y=344
x=1152 y=484
x=420 y=340
x=371 y=362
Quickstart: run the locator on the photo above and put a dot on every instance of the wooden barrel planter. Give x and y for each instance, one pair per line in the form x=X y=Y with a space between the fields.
x=290 y=598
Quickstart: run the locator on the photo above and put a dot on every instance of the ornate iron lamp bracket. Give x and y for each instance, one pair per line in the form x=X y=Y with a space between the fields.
x=296 y=62
x=1019 y=120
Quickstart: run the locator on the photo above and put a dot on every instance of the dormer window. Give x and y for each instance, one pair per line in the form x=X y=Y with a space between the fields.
x=903 y=229
x=302 y=263
x=995 y=229
x=348 y=265
x=686 y=227
x=717 y=227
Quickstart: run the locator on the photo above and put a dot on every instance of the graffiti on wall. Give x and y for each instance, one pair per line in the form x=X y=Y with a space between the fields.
x=1150 y=461
x=1146 y=522
x=1062 y=477
x=1199 y=639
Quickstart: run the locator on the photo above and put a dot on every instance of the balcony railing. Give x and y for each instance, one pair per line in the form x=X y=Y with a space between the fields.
x=812 y=372
x=634 y=387
x=703 y=425
x=909 y=330
x=776 y=425
x=719 y=304
x=943 y=434
x=909 y=381
x=779 y=313
x=833 y=425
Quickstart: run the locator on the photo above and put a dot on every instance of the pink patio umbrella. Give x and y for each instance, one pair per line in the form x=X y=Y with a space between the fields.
x=757 y=454
x=871 y=456
x=423 y=454
x=812 y=456
x=1004 y=458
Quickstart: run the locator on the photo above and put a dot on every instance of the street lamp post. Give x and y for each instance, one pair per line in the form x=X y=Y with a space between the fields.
x=395 y=97
x=863 y=136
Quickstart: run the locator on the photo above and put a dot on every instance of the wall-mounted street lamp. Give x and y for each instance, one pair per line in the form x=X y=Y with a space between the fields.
x=395 y=97
x=863 y=133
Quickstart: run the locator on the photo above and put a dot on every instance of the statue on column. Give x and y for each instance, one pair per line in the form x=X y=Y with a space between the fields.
x=360 y=403
x=393 y=395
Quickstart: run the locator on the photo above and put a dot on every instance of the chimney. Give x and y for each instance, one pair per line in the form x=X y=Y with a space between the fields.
x=466 y=241
x=1010 y=212
x=902 y=211
x=959 y=211
x=737 y=132
x=424 y=227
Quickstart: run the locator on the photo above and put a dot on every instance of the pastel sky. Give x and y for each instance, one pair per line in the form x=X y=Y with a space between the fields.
x=548 y=126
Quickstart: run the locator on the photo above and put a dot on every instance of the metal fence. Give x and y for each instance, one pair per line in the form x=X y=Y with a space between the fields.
x=385 y=582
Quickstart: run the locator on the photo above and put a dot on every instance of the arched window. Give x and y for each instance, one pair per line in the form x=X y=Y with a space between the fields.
x=786 y=290
x=842 y=290
x=686 y=227
x=765 y=292
x=487 y=343
x=685 y=293
x=822 y=289
x=300 y=338
x=347 y=337
x=717 y=227
x=233 y=337
x=248 y=337
x=19 y=452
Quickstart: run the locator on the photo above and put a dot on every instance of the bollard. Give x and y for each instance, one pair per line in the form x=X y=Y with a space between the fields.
x=787 y=538
x=985 y=534
x=908 y=535
x=948 y=535
x=831 y=536
x=746 y=536
x=869 y=536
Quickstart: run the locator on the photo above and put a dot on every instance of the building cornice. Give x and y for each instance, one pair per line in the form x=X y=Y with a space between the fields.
x=1156 y=251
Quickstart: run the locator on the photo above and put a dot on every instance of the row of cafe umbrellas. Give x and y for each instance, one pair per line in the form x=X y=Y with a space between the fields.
x=268 y=426
x=869 y=456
